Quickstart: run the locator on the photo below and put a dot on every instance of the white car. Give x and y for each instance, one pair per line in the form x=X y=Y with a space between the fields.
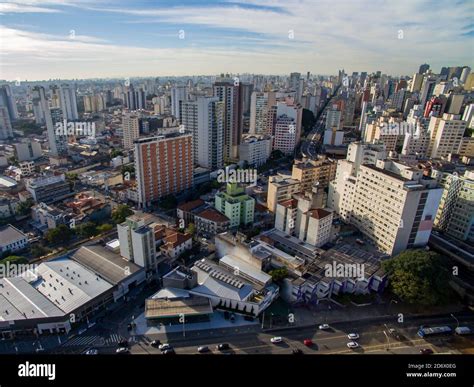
x=352 y=345
x=92 y=351
x=122 y=350
x=276 y=340
x=164 y=347
x=353 y=336
x=324 y=327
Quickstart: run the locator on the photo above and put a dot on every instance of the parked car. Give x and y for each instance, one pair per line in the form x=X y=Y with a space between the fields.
x=276 y=339
x=169 y=351
x=353 y=336
x=426 y=351
x=91 y=351
x=164 y=347
x=123 y=343
x=324 y=327
x=203 y=349
x=352 y=345
x=222 y=347
x=308 y=342
x=155 y=343
x=122 y=350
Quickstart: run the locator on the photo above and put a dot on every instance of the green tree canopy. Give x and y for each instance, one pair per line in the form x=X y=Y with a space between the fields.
x=418 y=277
x=59 y=235
x=279 y=274
x=103 y=228
x=86 y=230
x=120 y=213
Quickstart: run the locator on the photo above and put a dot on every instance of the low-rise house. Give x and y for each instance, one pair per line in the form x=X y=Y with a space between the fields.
x=12 y=239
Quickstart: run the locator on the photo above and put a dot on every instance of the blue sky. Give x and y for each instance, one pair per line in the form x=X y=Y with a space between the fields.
x=100 y=38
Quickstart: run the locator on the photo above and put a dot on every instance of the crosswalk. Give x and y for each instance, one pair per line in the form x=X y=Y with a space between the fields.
x=95 y=341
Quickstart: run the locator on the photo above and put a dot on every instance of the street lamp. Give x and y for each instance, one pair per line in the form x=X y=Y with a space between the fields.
x=390 y=304
x=457 y=321
x=388 y=340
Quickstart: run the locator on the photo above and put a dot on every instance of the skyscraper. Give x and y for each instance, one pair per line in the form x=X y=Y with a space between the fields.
x=8 y=101
x=131 y=131
x=57 y=142
x=163 y=165
x=423 y=68
x=68 y=100
x=229 y=92
x=204 y=118
x=178 y=97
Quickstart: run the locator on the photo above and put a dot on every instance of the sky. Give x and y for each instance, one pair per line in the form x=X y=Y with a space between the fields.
x=51 y=39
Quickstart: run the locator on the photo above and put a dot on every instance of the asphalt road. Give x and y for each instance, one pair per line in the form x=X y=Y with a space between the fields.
x=334 y=341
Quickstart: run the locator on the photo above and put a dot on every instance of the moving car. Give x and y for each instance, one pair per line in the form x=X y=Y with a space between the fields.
x=353 y=336
x=426 y=351
x=155 y=343
x=164 y=347
x=324 y=327
x=463 y=331
x=169 y=351
x=91 y=351
x=203 y=349
x=222 y=347
x=352 y=345
x=122 y=350
x=276 y=339
x=308 y=342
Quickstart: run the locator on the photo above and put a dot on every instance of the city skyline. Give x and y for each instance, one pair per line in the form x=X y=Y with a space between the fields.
x=84 y=39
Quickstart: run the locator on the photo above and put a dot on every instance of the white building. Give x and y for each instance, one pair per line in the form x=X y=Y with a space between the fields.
x=68 y=100
x=12 y=239
x=131 y=130
x=255 y=149
x=446 y=134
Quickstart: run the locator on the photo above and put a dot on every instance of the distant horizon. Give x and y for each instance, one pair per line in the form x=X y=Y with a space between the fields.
x=85 y=39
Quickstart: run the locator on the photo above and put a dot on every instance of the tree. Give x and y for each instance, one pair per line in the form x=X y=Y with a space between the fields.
x=24 y=208
x=59 y=235
x=418 y=277
x=86 y=230
x=103 y=228
x=308 y=120
x=279 y=274
x=115 y=152
x=13 y=259
x=191 y=229
x=120 y=213
x=38 y=250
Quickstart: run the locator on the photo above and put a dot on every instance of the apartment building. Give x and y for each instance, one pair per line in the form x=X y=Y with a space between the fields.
x=281 y=187
x=131 y=129
x=236 y=205
x=394 y=205
x=255 y=149
x=455 y=215
x=310 y=172
x=446 y=134
x=163 y=166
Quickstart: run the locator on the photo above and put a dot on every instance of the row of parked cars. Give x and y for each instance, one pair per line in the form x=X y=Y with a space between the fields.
x=167 y=349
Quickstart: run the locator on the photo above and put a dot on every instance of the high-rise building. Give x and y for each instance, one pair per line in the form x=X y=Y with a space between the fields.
x=7 y=100
x=229 y=92
x=6 y=129
x=57 y=142
x=67 y=94
x=163 y=166
x=134 y=99
x=286 y=126
x=137 y=242
x=391 y=203
x=466 y=70
x=423 y=68
x=178 y=97
x=204 y=118
x=255 y=149
x=446 y=134
x=260 y=105
x=455 y=215
x=427 y=89
x=130 y=128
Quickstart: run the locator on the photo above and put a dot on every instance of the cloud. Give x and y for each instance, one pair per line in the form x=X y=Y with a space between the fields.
x=245 y=36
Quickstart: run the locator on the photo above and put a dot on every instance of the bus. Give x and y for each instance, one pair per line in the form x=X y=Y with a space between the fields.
x=434 y=331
